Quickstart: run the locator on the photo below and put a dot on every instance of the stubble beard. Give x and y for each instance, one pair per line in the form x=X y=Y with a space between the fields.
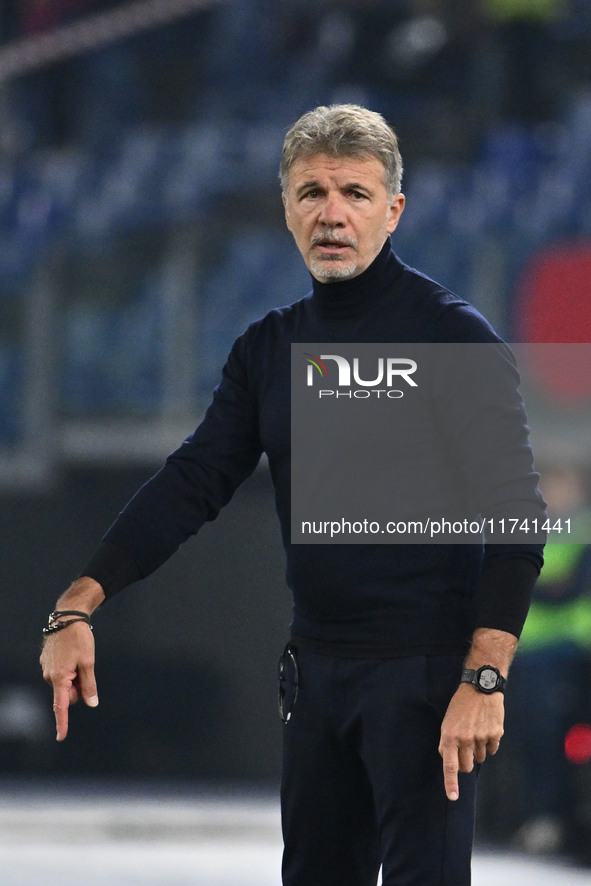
x=331 y=268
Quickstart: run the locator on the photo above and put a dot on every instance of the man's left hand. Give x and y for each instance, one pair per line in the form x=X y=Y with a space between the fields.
x=471 y=729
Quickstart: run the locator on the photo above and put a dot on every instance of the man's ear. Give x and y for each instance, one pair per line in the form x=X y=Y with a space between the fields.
x=396 y=210
x=286 y=210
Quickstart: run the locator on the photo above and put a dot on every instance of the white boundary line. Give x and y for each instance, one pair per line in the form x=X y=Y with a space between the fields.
x=91 y=32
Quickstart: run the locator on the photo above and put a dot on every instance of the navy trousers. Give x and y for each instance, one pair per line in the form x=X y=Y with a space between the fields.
x=362 y=781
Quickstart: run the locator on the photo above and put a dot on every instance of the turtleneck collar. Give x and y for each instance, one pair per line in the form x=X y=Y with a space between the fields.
x=346 y=298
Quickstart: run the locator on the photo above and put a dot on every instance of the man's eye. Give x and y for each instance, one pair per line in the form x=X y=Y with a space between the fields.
x=358 y=195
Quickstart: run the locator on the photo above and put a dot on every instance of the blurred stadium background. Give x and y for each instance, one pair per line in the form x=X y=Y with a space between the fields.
x=141 y=229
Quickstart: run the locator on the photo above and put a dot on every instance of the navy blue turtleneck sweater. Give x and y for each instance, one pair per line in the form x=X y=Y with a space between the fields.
x=380 y=599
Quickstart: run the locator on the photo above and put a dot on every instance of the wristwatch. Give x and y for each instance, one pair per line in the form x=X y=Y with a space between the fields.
x=487 y=679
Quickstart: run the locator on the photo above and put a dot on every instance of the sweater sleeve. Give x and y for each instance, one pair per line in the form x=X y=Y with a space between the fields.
x=196 y=481
x=112 y=568
x=491 y=443
x=506 y=586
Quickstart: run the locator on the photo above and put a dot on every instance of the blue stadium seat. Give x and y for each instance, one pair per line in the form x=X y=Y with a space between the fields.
x=10 y=394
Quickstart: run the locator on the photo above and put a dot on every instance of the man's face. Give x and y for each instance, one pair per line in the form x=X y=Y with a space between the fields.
x=339 y=212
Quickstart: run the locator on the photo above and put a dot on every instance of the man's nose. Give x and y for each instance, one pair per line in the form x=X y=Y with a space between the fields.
x=333 y=210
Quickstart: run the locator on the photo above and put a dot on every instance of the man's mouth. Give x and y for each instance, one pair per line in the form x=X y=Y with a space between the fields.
x=330 y=246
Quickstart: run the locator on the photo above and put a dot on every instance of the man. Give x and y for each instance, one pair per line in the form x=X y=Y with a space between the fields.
x=371 y=691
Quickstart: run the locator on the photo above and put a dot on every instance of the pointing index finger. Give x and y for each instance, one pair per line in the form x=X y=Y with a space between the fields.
x=450 y=757
x=61 y=703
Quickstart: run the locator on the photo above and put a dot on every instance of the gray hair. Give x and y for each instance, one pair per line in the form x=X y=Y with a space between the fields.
x=343 y=131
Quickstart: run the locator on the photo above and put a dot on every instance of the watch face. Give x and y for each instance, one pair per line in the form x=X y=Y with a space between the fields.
x=488 y=678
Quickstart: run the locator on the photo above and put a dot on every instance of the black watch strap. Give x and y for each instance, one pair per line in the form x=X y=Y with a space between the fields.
x=487 y=679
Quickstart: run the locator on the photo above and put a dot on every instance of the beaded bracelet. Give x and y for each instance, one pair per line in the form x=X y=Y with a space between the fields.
x=53 y=625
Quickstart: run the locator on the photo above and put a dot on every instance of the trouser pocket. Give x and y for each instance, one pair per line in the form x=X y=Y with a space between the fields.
x=287 y=672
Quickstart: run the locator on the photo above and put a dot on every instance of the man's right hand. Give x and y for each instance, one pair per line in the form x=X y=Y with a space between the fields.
x=67 y=658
